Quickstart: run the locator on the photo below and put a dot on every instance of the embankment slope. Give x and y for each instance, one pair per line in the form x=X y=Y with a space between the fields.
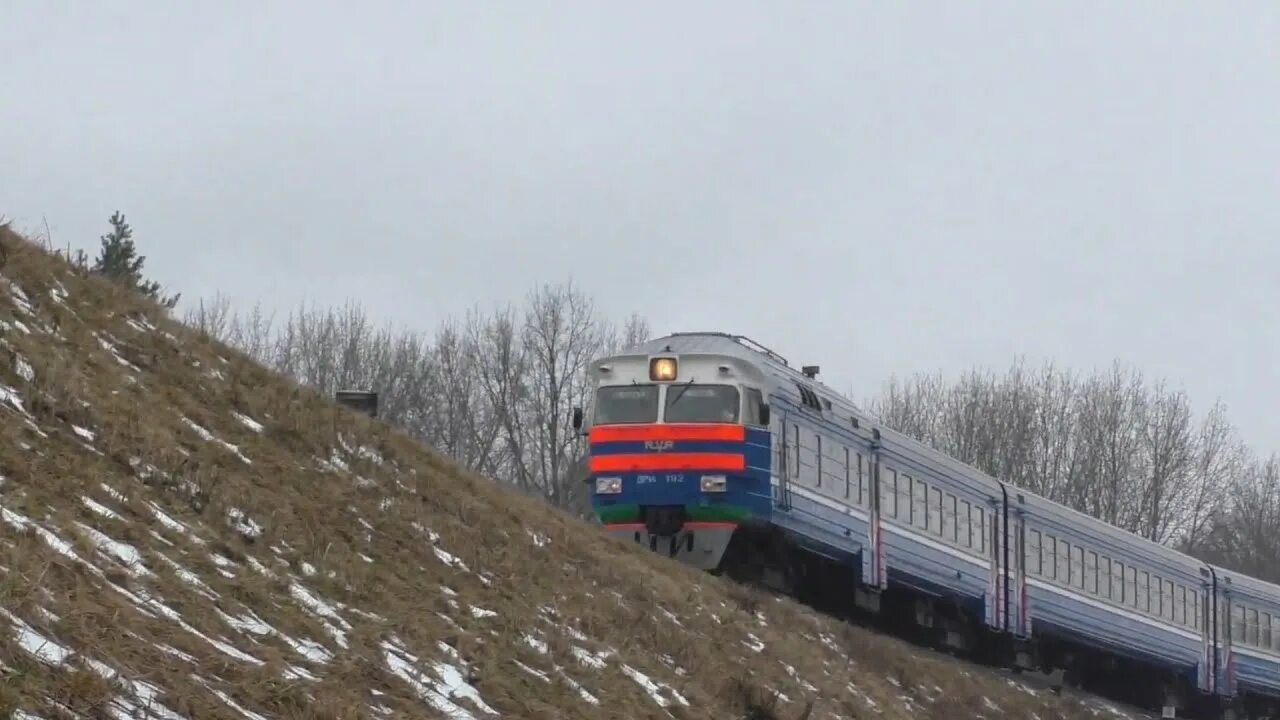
x=186 y=534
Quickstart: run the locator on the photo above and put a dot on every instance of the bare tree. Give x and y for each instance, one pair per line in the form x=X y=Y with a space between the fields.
x=213 y=318
x=1242 y=534
x=562 y=334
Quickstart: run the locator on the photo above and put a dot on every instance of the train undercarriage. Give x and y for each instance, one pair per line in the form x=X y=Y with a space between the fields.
x=765 y=557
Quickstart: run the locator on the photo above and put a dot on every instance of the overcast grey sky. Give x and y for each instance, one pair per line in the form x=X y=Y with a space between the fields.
x=877 y=188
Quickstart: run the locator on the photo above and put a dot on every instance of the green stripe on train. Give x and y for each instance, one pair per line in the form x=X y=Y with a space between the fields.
x=614 y=514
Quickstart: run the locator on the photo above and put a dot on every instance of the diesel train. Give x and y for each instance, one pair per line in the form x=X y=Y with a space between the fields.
x=712 y=449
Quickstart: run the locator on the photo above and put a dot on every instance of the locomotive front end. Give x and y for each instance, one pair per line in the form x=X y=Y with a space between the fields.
x=678 y=452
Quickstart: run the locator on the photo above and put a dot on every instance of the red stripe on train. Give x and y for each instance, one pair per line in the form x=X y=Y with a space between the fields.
x=668 y=461
x=675 y=431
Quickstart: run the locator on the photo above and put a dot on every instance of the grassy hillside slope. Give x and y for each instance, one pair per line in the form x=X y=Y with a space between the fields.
x=185 y=534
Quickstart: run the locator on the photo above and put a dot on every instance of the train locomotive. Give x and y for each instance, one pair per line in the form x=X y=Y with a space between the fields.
x=712 y=449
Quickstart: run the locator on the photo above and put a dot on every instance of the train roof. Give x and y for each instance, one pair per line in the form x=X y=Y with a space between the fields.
x=744 y=348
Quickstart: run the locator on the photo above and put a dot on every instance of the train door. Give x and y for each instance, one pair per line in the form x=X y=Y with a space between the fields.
x=873 y=565
x=788 y=457
x=995 y=606
x=1209 y=634
x=1226 y=640
x=1020 y=620
x=1006 y=605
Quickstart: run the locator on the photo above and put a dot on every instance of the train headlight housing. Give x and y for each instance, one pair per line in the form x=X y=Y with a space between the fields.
x=608 y=485
x=714 y=483
x=662 y=368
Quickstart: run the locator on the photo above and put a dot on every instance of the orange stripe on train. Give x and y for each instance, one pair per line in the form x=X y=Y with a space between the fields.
x=668 y=461
x=675 y=431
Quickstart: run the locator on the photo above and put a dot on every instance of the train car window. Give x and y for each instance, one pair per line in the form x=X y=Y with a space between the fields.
x=848 y=470
x=754 y=401
x=889 y=492
x=966 y=524
x=1034 y=554
x=1131 y=585
x=1237 y=623
x=920 y=501
x=862 y=482
x=949 y=517
x=1091 y=573
x=1104 y=577
x=1117 y=582
x=1050 y=555
x=1064 y=561
x=1166 y=610
x=935 y=511
x=817 y=476
x=953 y=507
x=1182 y=605
x=1195 y=608
x=795 y=446
x=1077 y=566
x=702 y=403
x=904 y=498
x=1157 y=596
x=626 y=404
x=1265 y=632
x=1251 y=628
x=1144 y=591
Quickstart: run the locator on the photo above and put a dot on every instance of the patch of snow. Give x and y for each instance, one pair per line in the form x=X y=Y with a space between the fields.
x=20 y=297
x=122 y=551
x=439 y=694
x=479 y=612
x=654 y=689
x=582 y=692
x=323 y=610
x=247 y=421
x=535 y=643
x=539 y=539
x=536 y=673
x=308 y=569
x=10 y=397
x=99 y=508
x=172 y=524
x=87 y=435
x=189 y=577
x=243 y=524
x=230 y=703
x=370 y=455
x=111 y=348
x=124 y=708
x=260 y=568
x=448 y=559
x=210 y=437
x=25 y=371
x=42 y=648
x=59 y=545
x=586 y=657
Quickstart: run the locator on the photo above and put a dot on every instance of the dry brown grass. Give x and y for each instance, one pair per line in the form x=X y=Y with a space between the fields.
x=580 y=609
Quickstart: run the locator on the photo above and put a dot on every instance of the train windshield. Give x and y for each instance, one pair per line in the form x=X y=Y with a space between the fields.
x=627 y=404
x=701 y=403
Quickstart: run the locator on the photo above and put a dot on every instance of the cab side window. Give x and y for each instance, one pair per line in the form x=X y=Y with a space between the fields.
x=751 y=414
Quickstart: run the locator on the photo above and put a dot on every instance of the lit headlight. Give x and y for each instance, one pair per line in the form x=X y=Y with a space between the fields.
x=608 y=485
x=714 y=483
x=662 y=368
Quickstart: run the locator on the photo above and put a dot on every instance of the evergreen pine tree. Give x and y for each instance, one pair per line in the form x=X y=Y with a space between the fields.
x=118 y=258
